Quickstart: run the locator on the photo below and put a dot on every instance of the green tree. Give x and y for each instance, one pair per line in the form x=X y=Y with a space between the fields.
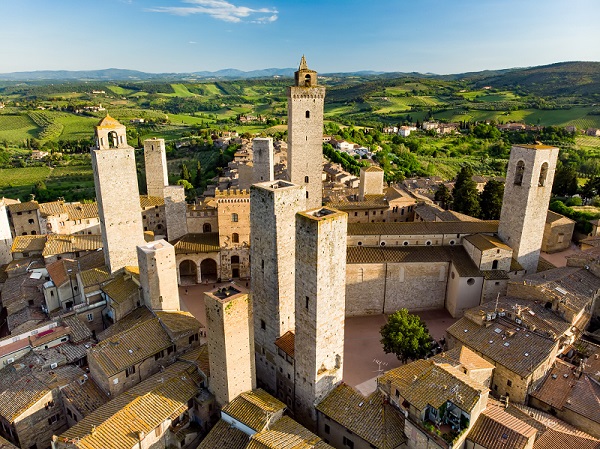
x=405 y=335
x=491 y=200
x=565 y=180
x=443 y=196
x=465 y=194
x=185 y=173
x=198 y=177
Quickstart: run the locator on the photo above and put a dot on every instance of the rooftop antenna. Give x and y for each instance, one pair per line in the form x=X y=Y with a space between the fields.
x=496 y=306
x=380 y=364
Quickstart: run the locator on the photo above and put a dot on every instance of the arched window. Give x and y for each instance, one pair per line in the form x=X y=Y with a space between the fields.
x=495 y=265
x=307 y=80
x=543 y=174
x=307 y=114
x=519 y=173
x=235 y=237
x=206 y=227
x=306 y=179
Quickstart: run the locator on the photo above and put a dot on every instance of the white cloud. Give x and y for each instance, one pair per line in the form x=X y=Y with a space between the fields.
x=192 y=42
x=221 y=10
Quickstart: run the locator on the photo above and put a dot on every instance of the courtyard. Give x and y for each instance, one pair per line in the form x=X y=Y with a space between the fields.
x=364 y=358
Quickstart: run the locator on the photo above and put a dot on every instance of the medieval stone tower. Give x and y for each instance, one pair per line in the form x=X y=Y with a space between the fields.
x=230 y=342
x=273 y=208
x=155 y=160
x=158 y=275
x=320 y=307
x=525 y=204
x=305 y=133
x=371 y=182
x=157 y=183
x=262 y=159
x=117 y=194
x=5 y=235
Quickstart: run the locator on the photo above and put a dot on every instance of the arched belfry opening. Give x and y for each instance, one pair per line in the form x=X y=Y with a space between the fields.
x=304 y=76
x=307 y=80
x=543 y=174
x=519 y=172
x=113 y=139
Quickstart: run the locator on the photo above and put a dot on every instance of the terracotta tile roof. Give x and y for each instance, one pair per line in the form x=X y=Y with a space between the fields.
x=286 y=433
x=82 y=211
x=197 y=243
x=147 y=201
x=28 y=243
x=508 y=352
x=537 y=146
x=286 y=343
x=584 y=399
x=556 y=388
x=91 y=260
x=130 y=347
x=121 y=288
x=84 y=395
x=253 y=408
x=199 y=356
x=370 y=202
x=496 y=275
x=19 y=290
x=60 y=244
x=109 y=123
x=463 y=356
x=79 y=331
x=179 y=324
x=73 y=353
x=425 y=382
x=486 y=242
x=116 y=424
x=94 y=276
x=553 y=217
x=369 y=418
x=515 y=265
x=396 y=254
x=23 y=207
x=52 y=208
x=59 y=271
x=423 y=228
x=136 y=316
x=544 y=265
x=497 y=429
x=224 y=436
x=373 y=168
x=543 y=421
x=18 y=392
x=552 y=439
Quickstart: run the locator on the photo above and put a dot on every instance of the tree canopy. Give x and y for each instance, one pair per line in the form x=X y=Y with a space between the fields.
x=465 y=194
x=491 y=200
x=405 y=335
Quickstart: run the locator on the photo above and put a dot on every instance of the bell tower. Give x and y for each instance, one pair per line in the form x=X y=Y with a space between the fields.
x=305 y=134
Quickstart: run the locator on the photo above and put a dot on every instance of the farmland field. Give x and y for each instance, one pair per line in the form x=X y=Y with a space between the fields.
x=17 y=127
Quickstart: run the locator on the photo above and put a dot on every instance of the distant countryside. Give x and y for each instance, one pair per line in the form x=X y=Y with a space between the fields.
x=46 y=127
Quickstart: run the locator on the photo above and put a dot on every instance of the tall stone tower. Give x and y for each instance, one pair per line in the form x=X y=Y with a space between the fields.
x=525 y=204
x=273 y=208
x=155 y=160
x=117 y=194
x=230 y=342
x=262 y=159
x=371 y=182
x=320 y=307
x=305 y=134
x=5 y=235
x=158 y=275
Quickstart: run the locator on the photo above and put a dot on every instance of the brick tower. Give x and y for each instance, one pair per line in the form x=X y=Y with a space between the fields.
x=273 y=208
x=230 y=342
x=525 y=204
x=117 y=194
x=305 y=134
x=320 y=307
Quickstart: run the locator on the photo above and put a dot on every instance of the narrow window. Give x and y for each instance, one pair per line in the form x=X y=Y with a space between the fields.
x=263 y=325
x=519 y=173
x=495 y=265
x=307 y=302
x=543 y=174
x=234 y=218
x=306 y=179
x=307 y=114
x=235 y=237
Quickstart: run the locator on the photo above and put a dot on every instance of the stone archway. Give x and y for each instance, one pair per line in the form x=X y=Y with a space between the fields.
x=209 y=270
x=188 y=272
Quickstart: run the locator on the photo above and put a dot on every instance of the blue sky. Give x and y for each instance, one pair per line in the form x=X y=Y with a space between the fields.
x=439 y=36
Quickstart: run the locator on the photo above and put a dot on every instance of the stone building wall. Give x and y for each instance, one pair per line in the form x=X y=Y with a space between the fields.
x=115 y=179
x=5 y=236
x=463 y=293
x=230 y=345
x=557 y=235
x=40 y=421
x=175 y=212
x=158 y=275
x=26 y=222
x=525 y=202
x=196 y=220
x=273 y=209
x=371 y=182
x=320 y=307
x=154 y=219
x=262 y=159
x=155 y=161
x=305 y=135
